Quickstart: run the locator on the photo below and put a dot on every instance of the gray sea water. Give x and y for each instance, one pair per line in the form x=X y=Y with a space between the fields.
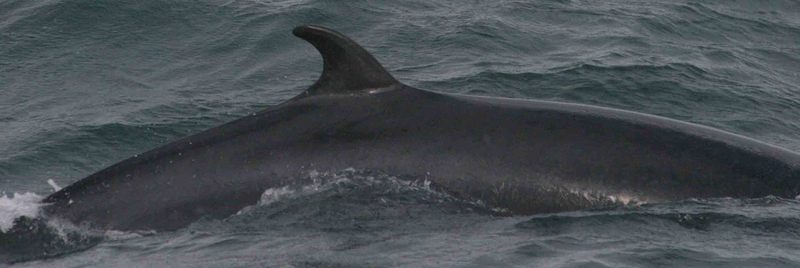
x=84 y=84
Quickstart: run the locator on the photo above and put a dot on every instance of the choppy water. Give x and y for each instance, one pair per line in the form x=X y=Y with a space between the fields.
x=84 y=84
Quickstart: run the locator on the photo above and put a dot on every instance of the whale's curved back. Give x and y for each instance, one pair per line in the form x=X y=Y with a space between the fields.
x=522 y=155
x=347 y=67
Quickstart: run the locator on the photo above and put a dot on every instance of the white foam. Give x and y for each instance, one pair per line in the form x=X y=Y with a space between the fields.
x=318 y=184
x=16 y=205
x=323 y=181
x=273 y=195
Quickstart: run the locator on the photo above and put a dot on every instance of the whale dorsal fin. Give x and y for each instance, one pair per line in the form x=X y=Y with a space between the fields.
x=348 y=68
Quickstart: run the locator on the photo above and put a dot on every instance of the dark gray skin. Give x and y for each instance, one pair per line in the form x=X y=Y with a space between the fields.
x=524 y=156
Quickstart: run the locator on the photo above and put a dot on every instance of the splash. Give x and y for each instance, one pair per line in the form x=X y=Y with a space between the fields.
x=367 y=190
x=25 y=235
x=320 y=181
x=350 y=177
x=17 y=205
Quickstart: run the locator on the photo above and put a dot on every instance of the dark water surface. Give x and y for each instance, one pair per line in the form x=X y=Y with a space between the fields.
x=84 y=84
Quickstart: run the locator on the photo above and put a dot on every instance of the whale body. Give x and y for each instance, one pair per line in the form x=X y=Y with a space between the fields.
x=524 y=156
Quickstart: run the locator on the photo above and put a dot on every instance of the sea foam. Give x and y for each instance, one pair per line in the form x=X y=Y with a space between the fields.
x=16 y=205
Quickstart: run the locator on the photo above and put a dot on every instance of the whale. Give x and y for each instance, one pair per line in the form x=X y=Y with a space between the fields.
x=521 y=156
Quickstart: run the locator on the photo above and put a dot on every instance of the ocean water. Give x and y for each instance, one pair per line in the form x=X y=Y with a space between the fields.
x=84 y=84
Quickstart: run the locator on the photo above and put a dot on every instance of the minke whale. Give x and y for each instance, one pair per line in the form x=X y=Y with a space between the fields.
x=524 y=156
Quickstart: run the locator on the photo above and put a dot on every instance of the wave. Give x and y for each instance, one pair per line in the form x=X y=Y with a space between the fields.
x=25 y=235
x=767 y=216
x=759 y=232
x=349 y=198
